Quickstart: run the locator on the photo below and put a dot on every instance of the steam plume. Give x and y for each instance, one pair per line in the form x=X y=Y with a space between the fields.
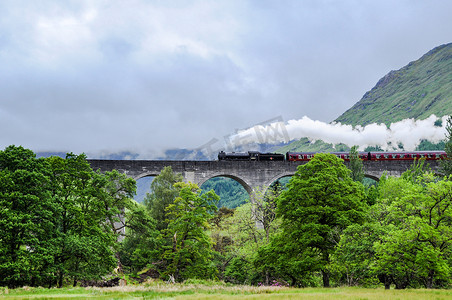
x=408 y=132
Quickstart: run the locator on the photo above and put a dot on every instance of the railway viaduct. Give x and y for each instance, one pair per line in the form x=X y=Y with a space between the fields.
x=250 y=174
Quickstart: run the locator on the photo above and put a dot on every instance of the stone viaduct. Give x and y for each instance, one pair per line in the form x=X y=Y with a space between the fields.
x=250 y=174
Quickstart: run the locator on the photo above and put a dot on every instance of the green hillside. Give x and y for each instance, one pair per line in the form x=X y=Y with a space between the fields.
x=418 y=90
x=421 y=88
x=306 y=145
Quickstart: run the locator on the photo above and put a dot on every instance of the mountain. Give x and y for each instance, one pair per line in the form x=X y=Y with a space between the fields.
x=421 y=88
x=418 y=90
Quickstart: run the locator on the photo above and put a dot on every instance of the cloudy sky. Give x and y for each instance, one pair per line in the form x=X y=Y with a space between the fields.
x=139 y=75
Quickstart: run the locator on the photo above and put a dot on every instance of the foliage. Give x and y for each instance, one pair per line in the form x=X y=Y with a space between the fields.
x=429 y=146
x=82 y=242
x=163 y=193
x=418 y=218
x=232 y=194
x=353 y=262
x=26 y=218
x=191 y=251
x=61 y=222
x=245 y=237
x=142 y=243
x=117 y=197
x=321 y=201
x=406 y=240
x=263 y=207
x=356 y=165
x=446 y=164
x=57 y=218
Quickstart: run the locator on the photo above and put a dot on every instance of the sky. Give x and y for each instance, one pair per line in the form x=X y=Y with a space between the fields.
x=144 y=76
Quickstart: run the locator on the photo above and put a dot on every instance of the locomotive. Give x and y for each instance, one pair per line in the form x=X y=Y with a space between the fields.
x=251 y=155
x=306 y=156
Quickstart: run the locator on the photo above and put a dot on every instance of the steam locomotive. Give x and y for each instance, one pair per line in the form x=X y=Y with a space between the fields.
x=306 y=156
x=251 y=155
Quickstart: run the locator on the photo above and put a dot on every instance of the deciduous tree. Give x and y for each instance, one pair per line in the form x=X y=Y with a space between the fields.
x=83 y=244
x=191 y=252
x=142 y=245
x=163 y=193
x=416 y=246
x=26 y=218
x=321 y=200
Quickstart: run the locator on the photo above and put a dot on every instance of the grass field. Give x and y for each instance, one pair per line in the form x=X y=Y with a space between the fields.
x=218 y=291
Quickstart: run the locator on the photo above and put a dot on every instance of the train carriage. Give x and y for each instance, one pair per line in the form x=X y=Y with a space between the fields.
x=306 y=156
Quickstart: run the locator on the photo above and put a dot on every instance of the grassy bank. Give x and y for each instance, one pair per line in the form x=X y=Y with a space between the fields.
x=159 y=290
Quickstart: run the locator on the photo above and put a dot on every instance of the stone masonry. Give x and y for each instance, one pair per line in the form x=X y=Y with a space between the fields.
x=250 y=174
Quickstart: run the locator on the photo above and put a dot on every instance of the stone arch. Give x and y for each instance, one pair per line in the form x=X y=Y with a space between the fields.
x=376 y=178
x=274 y=178
x=148 y=174
x=242 y=182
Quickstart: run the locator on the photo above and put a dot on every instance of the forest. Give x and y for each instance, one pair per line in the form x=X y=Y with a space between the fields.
x=61 y=224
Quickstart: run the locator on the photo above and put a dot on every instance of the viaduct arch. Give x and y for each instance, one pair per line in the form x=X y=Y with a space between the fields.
x=250 y=174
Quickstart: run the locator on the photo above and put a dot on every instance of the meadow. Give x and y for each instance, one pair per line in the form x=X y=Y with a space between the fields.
x=218 y=290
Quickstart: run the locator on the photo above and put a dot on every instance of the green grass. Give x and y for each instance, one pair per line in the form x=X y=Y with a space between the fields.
x=218 y=290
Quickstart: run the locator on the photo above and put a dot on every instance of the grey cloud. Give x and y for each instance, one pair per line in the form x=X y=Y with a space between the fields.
x=145 y=75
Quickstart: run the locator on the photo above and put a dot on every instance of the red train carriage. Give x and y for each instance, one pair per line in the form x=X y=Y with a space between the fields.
x=427 y=155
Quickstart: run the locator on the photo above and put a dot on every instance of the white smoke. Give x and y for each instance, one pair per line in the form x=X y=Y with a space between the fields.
x=408 y=132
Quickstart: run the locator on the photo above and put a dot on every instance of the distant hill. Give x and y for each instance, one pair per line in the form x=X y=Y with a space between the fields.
x=418 y=90
x=305 y=145
x=421 y=88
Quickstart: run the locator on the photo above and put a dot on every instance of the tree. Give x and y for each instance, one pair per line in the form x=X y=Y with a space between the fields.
x=142 y=244
x=117 y=197
x=26 y=218
x=190 y=254
x=354 y=259
x=163 y=192
x=416 y=246
x=446 y=164
x=356 y=165
x=83 y=244
x=321 y=201
x=57 y=218
x=263 y=207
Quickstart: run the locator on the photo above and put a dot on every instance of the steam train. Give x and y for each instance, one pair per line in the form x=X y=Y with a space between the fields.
x=306 y=156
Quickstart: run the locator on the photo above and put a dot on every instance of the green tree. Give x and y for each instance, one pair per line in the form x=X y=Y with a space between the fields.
x=142 y=243
x=320 y=202
x=263 y=207
x=417 y=244
x=246 y=237
x=356 y=165
x=190 y=254
x=163 y=192
x=83 y=244
x=354 y=259
x=117 y=197
x=446 y=164
x=221 y=238
x=26 y=218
